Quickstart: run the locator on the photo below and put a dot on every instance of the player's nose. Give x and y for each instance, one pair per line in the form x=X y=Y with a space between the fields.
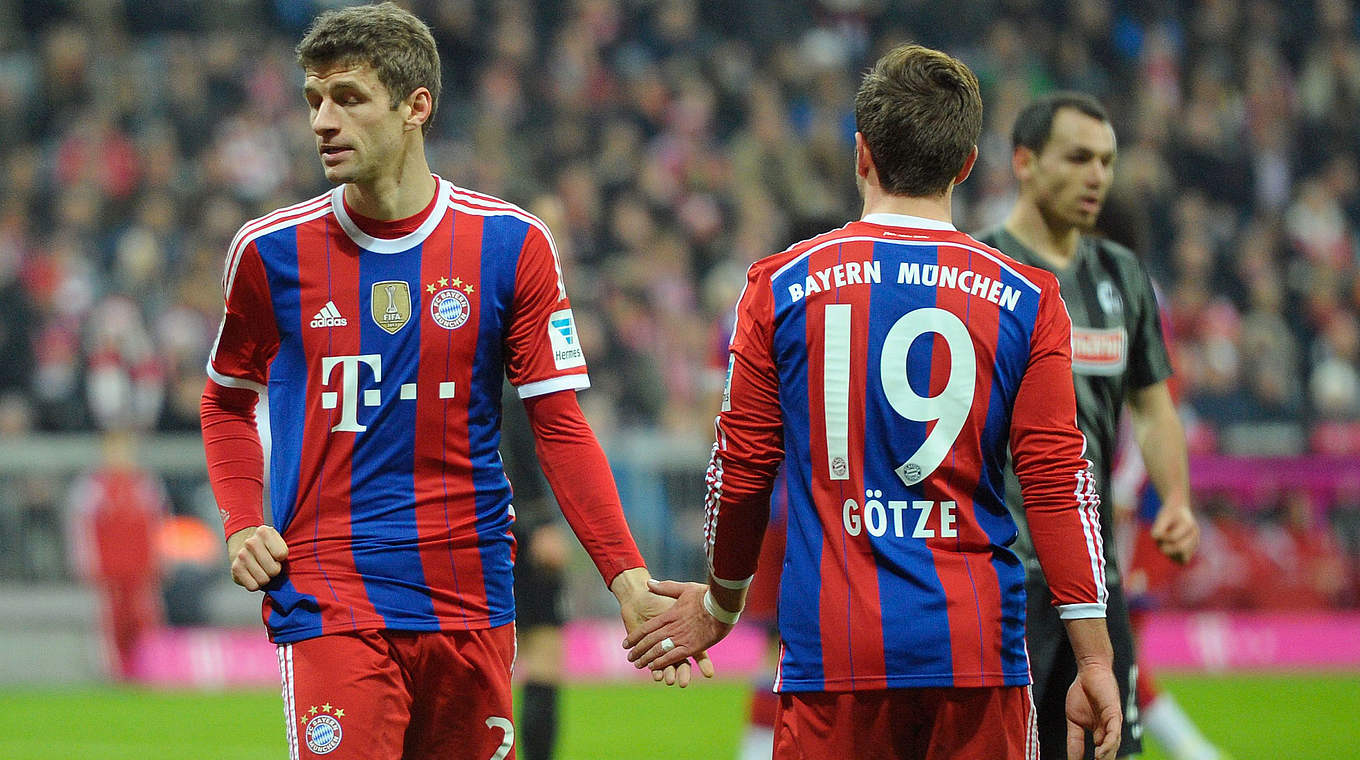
x=324 y=120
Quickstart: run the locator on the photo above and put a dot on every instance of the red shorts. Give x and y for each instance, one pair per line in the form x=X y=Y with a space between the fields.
x=387 y=695
x=995 y=723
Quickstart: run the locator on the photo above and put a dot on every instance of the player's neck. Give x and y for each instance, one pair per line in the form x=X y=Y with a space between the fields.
x=937 y=207
x=396 y=196
x=1055 y=244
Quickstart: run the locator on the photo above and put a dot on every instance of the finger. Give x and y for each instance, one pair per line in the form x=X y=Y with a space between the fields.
x=669 y=675
x=242 y=578
x=668 y=659
x=250 y=565
x=1179 y=531
x=645 y=631
x=650 y=649
x=262 y=556
x=274 y=543
x=641 y=644
x=1108 y=744
x=705 y=664
x=682 y=674
x=657 y=675
x=1076 y=741
x=672 y=589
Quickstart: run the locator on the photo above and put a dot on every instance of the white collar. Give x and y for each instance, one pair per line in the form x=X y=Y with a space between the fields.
x=392 y=245
x=906 y=220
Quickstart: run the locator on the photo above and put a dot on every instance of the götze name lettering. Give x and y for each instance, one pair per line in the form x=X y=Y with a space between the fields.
x=899 y=518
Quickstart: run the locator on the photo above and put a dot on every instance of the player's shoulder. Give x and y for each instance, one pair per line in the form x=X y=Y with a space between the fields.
x=990 y=242
x=274 y=221
x=774 y=263
x=282 y=218
x=999 y=244
x=1115 y=254
x=1110 y=248
x=464 y=200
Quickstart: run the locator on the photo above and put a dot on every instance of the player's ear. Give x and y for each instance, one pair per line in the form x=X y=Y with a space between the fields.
x=1022 y=161
x=420 y=105
x=967 y=166
x=864 y=160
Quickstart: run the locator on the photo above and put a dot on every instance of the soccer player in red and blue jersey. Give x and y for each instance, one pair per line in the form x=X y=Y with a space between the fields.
x=380 y=319
x=888 y=365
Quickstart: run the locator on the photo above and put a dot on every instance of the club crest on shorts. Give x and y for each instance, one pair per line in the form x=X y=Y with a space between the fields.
x=321 y=727
x=390 y=305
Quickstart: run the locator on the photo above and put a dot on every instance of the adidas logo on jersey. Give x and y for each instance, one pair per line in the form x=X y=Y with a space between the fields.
x=329 y=316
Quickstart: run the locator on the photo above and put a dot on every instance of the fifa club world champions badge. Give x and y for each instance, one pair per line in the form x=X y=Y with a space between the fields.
x=321 y=727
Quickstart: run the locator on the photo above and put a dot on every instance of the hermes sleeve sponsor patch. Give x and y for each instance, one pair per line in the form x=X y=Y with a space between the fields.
x=566 y=344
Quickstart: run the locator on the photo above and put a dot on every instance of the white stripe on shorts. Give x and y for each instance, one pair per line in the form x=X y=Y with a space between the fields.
x=1032 y=734
x=289 y=713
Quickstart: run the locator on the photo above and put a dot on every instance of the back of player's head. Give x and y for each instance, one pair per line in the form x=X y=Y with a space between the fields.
x=395 y=44
x=920 y=112
x=1034 y=125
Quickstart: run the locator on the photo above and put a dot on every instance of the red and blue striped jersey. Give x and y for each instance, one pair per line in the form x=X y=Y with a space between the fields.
x=383 y=362
x=889 y=365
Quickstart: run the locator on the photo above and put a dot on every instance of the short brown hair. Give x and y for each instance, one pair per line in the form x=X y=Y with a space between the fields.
x=394 y=43
x=920 y=112
x=1034 y=125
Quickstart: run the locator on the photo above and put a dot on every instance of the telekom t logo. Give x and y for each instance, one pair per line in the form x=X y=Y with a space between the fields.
x=348 y=396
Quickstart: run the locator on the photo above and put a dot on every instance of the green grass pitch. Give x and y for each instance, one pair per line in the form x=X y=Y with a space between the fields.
x=1302 y=717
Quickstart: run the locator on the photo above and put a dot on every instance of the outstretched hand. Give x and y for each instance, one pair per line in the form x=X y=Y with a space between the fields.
x=1093 y=705
x=639 y=607
x=683 y=631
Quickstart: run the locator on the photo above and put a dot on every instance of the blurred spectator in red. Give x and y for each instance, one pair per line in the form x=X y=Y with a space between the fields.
x=1225 y=569
x=1305 y=567
x=115 y=513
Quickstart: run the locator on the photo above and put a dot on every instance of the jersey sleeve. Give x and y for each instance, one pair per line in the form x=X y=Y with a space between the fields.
x=543 y=348
x=238 y=370
x=1149 y=360
x=1056 y=481
x=749 y=443
x=248 y=337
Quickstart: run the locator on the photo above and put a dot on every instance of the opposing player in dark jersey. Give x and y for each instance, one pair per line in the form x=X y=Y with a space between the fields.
x=381 y=319
x=888 y=365
x=1064 y=153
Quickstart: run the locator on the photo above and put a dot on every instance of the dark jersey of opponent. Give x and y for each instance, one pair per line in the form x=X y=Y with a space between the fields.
x=1117 y=347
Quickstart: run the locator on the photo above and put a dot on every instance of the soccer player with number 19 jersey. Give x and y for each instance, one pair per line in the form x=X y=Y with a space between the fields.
x=381 y=318
x=888 y=365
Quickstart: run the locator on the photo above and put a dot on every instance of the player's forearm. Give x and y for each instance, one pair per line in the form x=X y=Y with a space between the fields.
x=235 y=457
x=579 y=475
x=740 y=476
x=1059 y=489
x=1161 y=440
x=1090 y=640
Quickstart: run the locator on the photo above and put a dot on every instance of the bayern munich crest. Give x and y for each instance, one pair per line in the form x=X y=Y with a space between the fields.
x=450 y=308
x=323 y=734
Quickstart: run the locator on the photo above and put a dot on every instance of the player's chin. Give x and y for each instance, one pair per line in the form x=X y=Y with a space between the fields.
x=338 y=175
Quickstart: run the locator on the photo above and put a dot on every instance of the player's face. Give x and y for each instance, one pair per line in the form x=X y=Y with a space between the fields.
x=1070 y=177
x=358 y=134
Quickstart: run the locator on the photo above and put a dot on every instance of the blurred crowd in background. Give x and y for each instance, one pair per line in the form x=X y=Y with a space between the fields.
x=668 y=144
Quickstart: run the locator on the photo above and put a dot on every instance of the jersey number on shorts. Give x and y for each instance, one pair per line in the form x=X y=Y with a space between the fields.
x=948 y=409
x=507 y=740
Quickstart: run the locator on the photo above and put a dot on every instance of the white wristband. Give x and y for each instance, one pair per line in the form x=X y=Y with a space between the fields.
x=712 y=607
